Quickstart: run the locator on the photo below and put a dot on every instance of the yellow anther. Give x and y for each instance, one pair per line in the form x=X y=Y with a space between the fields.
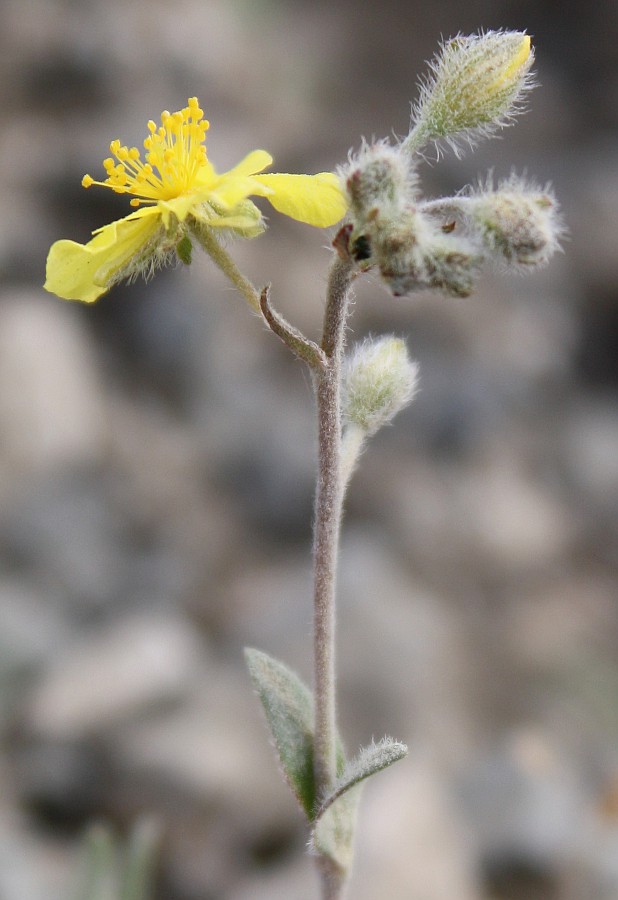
x=134 y=153
x=87 y=181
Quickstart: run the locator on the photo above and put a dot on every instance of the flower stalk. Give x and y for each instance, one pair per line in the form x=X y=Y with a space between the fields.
x=226 y=264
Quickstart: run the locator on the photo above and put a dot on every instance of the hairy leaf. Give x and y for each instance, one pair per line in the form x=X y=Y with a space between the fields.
x=370 y=760
x=333 y=832
x=288 y=705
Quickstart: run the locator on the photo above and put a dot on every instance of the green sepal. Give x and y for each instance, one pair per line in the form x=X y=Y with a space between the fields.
x=288 y=705
x=184 y=249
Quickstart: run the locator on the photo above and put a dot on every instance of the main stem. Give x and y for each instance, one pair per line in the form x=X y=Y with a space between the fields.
x=328 y=511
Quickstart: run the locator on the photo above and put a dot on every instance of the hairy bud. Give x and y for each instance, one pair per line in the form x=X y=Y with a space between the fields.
x=474 y=87
x=378 y=179
x=517 y=222
x=379 y=380
x=448 y=264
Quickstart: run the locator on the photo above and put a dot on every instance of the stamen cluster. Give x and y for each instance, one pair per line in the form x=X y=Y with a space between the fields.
x=175 y=154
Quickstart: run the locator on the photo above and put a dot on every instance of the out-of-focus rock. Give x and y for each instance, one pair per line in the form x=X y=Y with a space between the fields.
x=136 y=664
x=412 y=840
x=52 y=407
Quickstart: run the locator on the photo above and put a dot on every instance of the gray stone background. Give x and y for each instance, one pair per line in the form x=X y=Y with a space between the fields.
x=157 y=464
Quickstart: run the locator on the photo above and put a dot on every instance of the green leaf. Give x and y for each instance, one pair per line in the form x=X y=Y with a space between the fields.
x=370 y=760
x=288 y=705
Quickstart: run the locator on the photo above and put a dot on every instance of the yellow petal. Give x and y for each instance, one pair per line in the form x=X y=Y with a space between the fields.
x=180 y=207
x=230 y=188
x=254 y=162
x=85 y=271
x=519 y=59
x=230 y=192
x=314 y=199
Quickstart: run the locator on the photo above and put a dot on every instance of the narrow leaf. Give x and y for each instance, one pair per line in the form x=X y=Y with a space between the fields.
x=370 y=760
x=288 y=705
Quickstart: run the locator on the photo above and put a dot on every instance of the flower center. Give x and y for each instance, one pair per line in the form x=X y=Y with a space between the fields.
x=175 y=153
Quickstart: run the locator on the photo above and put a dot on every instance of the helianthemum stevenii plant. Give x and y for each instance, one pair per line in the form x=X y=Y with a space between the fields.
x=475 y=86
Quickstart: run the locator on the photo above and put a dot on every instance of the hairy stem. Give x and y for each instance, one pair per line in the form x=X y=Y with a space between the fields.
x=328 y=510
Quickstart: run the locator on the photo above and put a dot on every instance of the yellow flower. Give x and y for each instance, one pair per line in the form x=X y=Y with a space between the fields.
x=178 y=194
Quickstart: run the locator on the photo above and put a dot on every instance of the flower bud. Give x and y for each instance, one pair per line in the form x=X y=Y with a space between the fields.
x=399 y=245
x=517 y=222
x=378 y=181
x=413 y=255
x=379 y=380
x=473 y=88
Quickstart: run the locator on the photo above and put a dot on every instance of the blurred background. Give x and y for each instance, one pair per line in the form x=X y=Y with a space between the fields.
x=157 y=461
